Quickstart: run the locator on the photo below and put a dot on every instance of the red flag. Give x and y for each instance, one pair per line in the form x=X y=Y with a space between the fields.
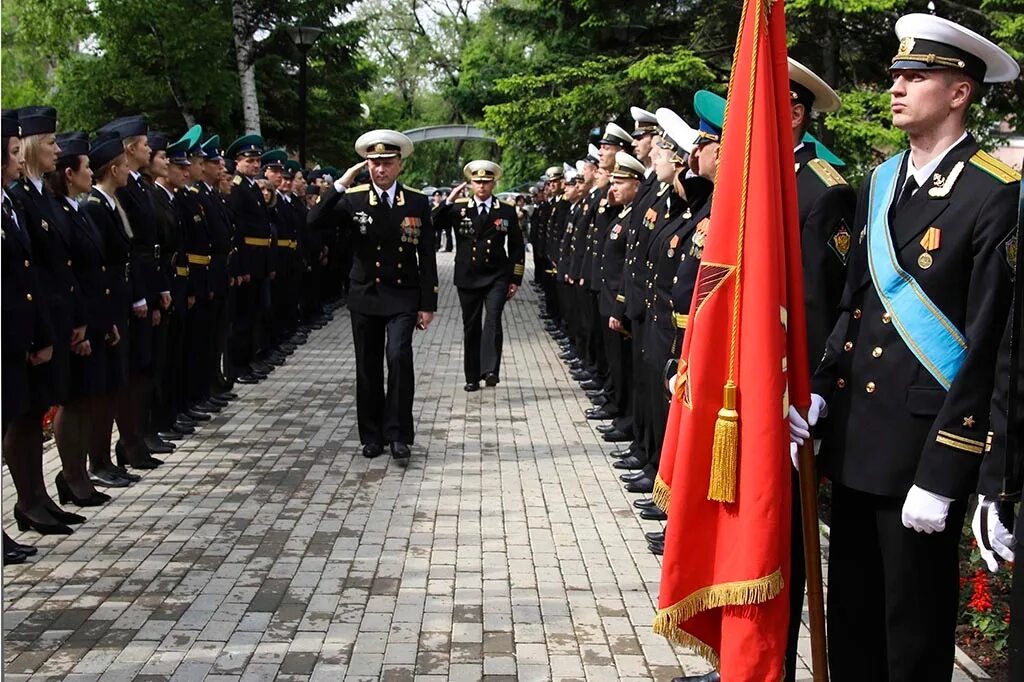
x=725 y=469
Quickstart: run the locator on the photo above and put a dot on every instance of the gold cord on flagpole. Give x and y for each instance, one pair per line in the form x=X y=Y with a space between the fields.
x=725 y=449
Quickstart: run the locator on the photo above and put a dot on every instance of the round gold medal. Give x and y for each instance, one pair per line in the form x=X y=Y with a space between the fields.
x=924 y=261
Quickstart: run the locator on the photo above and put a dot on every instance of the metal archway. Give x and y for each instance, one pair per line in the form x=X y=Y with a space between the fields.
x=448 y=132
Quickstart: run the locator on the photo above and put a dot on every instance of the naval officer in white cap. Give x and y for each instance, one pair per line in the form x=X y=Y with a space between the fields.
x=903 y=390
x=394 y=284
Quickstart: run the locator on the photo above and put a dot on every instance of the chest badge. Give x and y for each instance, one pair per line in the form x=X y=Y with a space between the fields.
x=942 y=186
x=840 y=242
x=364 y=221
x=931 y=241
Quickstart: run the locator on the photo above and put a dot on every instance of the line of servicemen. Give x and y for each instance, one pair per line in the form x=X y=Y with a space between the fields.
x=141 y=281
x=617 y=244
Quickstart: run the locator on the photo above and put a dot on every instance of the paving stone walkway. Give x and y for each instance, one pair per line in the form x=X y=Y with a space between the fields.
x=268 y=548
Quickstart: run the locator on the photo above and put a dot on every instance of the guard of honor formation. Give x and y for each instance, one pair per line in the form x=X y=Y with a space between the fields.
x=173 y=279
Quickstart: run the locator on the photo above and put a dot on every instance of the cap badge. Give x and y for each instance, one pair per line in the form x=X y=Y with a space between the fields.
x=379 y=147
x=906 y=47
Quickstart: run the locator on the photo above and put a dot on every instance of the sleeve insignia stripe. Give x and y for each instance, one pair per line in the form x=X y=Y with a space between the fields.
x=958 y=442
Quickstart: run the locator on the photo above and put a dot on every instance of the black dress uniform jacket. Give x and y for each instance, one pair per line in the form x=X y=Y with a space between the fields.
x=890 y=423
x=25 y=324
x=51 y=246
x=121 y=269
x=253 y=233
x=394 y=266
x=137 y=201
x=613 y=262
x=173 y=263
x=482 y=256
x=645 y=216
x=582 y=233
x=595 y=244
x=827 y=204
x=90 y=374
x=217 y=236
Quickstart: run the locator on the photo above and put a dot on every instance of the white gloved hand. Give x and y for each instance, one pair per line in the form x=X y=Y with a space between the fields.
x=999 y=540
x=925 y=511
x=794 y=454
x=800 y=428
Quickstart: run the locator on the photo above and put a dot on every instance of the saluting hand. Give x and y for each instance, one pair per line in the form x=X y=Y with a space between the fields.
x=455 y=193
x=350 y=175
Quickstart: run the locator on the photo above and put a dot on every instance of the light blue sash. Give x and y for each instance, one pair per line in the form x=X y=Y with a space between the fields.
x=930 y=335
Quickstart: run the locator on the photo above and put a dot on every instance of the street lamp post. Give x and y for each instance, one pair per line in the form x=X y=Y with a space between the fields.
x=303 y=37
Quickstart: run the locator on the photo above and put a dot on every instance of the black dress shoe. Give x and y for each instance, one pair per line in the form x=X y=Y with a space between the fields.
x=197 y=415
x=471 y=386
x=206 y=406
x=400 y=452
x=248 y=378
x=567 y=356
x=214 y=400
x=646 y=503
x=170 y=436
x=157 y=445
x=655 y=536
x=656 y=548
x=604 y=428
x=184 y=418
x=600 y=401
x=712 y=676
x=226 y=395
x=599 y=413
x=631 y=463
x=596 y=393
x=621 y=454
x=653 y=515
x=491 y=379
x=616 y=436
x=632 y=476
x=10 y=543
x=591 y=385
x=13 y=557
x=644 y=485
x=262 y=367
x=183 y=428
x=580 y=375
x=371 y=450
x=125 y=474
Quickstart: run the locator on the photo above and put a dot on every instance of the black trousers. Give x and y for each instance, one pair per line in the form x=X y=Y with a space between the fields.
x=221 y=371
x=481 y=328
x=657 y=408
x=551 y=302
x=201 y=345
x=384 y=417
x=641 y=423
x=797 y=580
x=595 y=333
x=570 y=313
x=155 y=417
x=169 y=392
x=619 y=351
x=893 y=593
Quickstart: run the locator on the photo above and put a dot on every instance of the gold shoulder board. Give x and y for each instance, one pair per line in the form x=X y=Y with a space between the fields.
x=462 y=200
x=237 y=180
x=826 y=173
x=994 y=167
x=94 y=200
x=359 y=188
x=193 y=189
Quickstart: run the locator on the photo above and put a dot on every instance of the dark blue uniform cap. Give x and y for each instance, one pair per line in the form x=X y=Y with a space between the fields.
x=710 y=108
x=291 y=167
x=9 y=119
x=158 y=142
x=37 y=120
x=105 y=147
x=211 y=148
x=73 y=144
x=247 y=145
x=127 y=126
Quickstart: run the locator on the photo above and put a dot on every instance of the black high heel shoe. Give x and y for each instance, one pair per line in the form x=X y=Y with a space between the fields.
x=10 y=543
x=65 y=494
x=41 y=527
x=67 y=517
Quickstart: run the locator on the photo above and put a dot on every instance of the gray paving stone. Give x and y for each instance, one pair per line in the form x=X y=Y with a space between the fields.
x=267 y=548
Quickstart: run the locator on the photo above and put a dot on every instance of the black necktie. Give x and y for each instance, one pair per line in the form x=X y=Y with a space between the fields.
x=908 y=191
x=483 y=212
x=385 y=199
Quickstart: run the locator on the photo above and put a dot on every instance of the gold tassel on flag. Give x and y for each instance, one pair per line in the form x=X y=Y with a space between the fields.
x=726 y=448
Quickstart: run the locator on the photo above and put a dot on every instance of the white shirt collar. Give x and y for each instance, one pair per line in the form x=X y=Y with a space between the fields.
x=135 y=174
x=391 y=191
x=798 y=147
x=170 y=194
x=72 y=202
x=37 y=183
x=284 y=196
x=924 y=174
x=486 y=202
x=208 y=185
x=110 y=199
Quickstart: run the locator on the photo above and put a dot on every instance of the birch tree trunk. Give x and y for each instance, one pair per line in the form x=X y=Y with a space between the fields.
x=245 y=47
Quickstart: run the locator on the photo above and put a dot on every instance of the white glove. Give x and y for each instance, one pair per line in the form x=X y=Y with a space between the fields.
x=799 y=428
x=794 y=454
x=925 y=511
x=998 y=537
